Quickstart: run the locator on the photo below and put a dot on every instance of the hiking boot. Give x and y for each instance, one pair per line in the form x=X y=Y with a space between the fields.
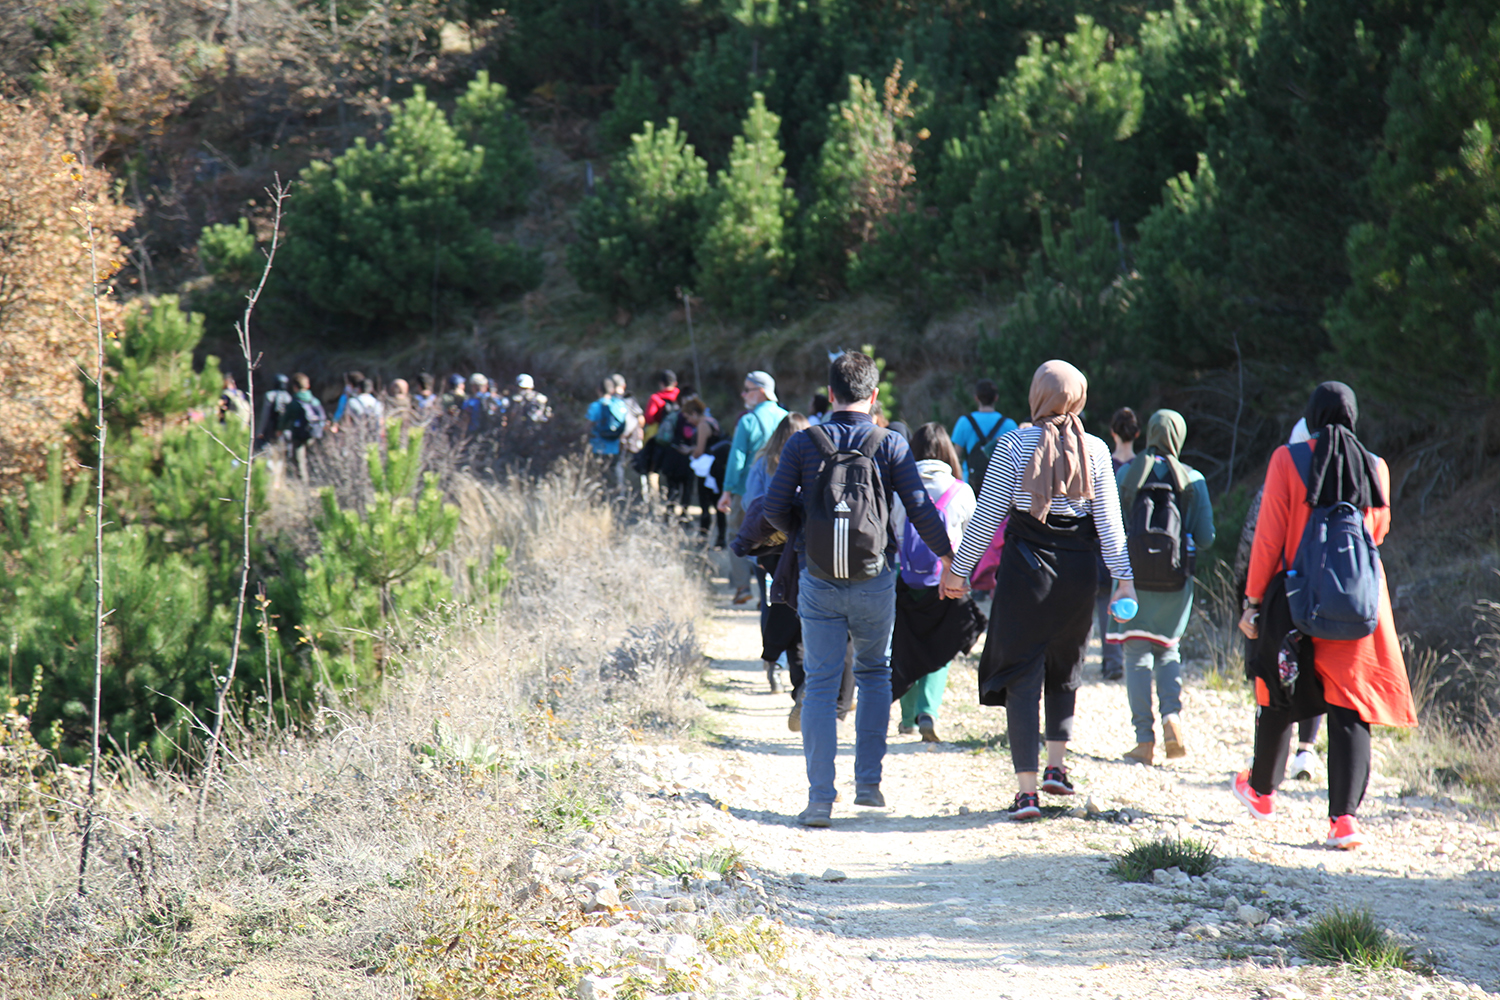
x=772 y=677
x=742 y=595
x=1344 y=833
x=1260 y=806
x=1304 y=765
x=928 y=728
x=817 y=814
x=1173 y=736
x=1144 y=753
x=902 y=729
x=1114 y=675
x=1055 y=781
x=794 y=717
x=869 y=795
x=1025 y=808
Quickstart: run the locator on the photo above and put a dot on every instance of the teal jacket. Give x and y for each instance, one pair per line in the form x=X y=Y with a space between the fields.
x=750 y=436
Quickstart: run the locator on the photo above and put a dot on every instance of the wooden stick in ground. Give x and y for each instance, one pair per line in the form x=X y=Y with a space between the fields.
x=242 y=329
x=99 y=612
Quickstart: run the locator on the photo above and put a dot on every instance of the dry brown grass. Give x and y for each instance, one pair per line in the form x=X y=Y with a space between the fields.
x=355 y=843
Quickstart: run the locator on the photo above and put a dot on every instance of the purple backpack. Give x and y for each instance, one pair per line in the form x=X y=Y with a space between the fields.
x=919 y=564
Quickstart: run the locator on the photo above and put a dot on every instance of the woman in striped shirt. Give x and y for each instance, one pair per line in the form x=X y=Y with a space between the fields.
x=1056 y=483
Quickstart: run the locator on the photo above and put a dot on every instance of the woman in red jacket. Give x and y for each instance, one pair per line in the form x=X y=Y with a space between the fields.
x=1364 y=680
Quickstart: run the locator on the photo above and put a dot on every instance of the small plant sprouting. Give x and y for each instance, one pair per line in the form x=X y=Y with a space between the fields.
x=726 y=941
x=726 y=862
x=1144 y=857
x=1353 y=937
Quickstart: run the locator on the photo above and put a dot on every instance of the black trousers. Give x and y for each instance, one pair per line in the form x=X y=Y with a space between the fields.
x=1348 y=756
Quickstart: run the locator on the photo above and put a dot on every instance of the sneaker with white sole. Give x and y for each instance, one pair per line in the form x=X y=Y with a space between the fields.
x=1025 y=808
x=1261 y=806
x=1055 y=781
x=1344 y=833
x=1305 y=765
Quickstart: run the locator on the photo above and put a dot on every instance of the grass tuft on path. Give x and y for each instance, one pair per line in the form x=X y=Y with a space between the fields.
x=1144 y=857
x=1353 y=937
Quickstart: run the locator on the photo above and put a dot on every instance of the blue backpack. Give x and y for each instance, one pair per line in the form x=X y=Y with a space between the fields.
x=919 y=564
x=1333 y=587
x=610 y=423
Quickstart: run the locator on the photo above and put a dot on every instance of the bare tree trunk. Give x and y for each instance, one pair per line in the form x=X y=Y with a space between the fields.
x=99 y=612
x=278 y=195
x=1234 y=438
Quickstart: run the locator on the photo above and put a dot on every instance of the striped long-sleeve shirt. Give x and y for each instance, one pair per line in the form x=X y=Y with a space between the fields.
x=1002 y=494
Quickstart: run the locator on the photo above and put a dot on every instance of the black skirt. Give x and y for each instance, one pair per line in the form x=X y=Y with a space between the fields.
x=1044 y=604
x=929 y=633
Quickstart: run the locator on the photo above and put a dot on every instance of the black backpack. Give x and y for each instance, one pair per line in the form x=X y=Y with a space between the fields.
x=978 y=455
x=306 y=420
x=846 y=519
x=1154 y=540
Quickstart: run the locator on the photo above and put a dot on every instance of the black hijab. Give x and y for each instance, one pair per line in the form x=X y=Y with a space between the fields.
x=1342 y=470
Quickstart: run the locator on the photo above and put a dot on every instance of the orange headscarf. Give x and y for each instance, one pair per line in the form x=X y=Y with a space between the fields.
x=1059 y=466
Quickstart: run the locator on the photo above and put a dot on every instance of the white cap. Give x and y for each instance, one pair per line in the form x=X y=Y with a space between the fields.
x=524 y=381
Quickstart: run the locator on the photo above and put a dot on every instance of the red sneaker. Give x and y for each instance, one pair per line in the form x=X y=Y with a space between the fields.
x=1260 y=806
x=1344 y=833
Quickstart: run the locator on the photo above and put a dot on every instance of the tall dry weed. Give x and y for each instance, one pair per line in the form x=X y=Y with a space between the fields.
x=343 y=844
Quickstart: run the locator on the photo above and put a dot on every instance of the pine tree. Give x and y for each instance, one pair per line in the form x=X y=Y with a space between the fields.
x=636 y=236
x=636 y=103
x=863 y=178
x=389 y=233
x=1055 y=129
x=1422 y=317
x=486 y=119
x=230 y=259
x=745 y=260
x=1074 y=305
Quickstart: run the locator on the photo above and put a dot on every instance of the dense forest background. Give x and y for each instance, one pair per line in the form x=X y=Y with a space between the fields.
x=1209 y=204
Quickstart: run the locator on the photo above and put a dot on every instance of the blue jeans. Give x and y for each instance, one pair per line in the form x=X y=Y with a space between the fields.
x=834 y=614
x=1143 y=659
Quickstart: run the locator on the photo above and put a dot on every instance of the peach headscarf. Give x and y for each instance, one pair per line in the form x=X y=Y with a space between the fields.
x=1059 y=466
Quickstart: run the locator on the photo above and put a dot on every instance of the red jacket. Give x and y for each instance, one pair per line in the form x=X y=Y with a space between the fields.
x=655 y=406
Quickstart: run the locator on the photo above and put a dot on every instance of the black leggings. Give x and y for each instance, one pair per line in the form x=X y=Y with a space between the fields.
x=1307 y=729
x=1021 y=720
x=1348 y=756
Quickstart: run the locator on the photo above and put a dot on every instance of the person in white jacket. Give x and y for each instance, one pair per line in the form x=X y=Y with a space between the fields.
x=937 y=461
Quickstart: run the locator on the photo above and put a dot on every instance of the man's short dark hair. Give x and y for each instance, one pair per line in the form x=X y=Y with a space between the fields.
x=354 y=379
x=367 y=385
x=666 y=378
x=820 y=403
x=985 y=392
x=853 y=378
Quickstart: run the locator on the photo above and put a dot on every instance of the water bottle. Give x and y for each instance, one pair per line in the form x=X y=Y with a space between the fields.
x=1192 y=549
x=1124 y=608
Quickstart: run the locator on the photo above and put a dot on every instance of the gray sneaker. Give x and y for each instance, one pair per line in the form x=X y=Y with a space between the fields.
x=869 y=795
x=817 y=814
x=794 y=717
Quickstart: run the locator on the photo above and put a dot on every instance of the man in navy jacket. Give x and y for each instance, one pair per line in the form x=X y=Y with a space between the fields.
x=863 y=611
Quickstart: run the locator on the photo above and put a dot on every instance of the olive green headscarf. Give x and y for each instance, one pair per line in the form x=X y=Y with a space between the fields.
x=1165 y=434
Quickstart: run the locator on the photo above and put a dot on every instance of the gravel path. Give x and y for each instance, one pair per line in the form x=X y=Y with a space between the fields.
x=939 y=895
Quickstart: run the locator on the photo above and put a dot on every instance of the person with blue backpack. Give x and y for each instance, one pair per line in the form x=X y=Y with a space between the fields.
x=1168 y=519
x=607 y=419
x=930 y=631
x=975 y=434
x=1318 y=612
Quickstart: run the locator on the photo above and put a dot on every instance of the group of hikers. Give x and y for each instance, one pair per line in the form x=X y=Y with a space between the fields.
x=881 y=553
x=291 y=417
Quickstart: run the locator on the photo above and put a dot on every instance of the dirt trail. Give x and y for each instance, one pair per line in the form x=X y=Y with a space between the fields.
x=944 y=897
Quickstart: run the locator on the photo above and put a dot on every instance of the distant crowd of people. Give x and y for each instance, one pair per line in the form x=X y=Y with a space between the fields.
x=292 y=418
x=880 y=553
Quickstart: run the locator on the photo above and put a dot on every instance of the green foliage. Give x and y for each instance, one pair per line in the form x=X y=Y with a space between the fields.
x=375 y=235
x=228 y=255
x=744 y=259
x=1353 y=937
x=887 y=388
x=391 y=547
x=486 y=120
x=862 y=178
x=636 y=236
x=1423 y=313
x=152 y=378
x=636 y=104
x=1074 y=306
x=1055 y=129
x=1144 y=858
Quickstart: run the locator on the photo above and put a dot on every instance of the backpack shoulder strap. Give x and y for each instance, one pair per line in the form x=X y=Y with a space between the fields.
x=978 y=431
x=818 y=436
x=873 y=441
x=947 y=497
x=1302 y=458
